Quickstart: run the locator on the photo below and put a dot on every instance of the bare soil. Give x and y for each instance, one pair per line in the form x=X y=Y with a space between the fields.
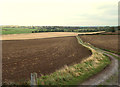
x=43 y=56
x=116 y=32
x=110 y=42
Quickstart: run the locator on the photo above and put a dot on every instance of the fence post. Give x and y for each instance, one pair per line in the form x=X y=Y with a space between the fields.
x=33 y=79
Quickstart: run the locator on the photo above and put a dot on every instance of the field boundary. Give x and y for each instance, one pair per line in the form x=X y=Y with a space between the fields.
x=107 y=72
x=105 y=51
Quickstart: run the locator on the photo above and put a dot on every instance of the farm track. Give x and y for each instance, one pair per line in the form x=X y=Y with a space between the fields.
x=108 y=72
x=104 y=74
x=43 y=56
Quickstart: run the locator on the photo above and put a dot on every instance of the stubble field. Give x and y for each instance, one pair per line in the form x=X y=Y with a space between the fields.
x=42 y=35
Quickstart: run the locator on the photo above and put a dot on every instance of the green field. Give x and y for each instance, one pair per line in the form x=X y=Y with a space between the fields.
x=39 y=29
x=16 y=30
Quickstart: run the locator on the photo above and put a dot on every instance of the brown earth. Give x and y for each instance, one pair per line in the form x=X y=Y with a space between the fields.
x=23 y=57
x=109 y=42
x=116 y=32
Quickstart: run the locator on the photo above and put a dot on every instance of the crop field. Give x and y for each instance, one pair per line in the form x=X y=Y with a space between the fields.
x=108 y=42
x=16 y=30
x=43 y=56
x=37 y=35
x=42 y=35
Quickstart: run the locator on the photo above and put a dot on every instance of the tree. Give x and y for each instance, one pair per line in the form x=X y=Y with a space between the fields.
x=111 y=29
x=118 y=27
x=35 y=31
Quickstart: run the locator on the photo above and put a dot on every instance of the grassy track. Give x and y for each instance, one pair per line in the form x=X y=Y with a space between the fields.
x=105 y=51
x=76 y=74
x=112 y=79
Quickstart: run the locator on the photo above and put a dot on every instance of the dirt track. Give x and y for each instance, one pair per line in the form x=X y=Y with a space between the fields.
x=109 y=42
x=104 y=74
x=22 y=57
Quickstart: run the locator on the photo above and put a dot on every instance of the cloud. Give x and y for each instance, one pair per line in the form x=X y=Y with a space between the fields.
x=59 y=12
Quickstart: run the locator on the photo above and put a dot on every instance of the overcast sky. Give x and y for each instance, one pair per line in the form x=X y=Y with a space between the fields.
x=59 y=12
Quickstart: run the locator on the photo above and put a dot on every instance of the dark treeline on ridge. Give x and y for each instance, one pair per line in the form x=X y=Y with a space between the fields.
x=38 y=29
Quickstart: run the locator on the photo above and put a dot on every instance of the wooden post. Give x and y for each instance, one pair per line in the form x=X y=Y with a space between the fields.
x=33 y=79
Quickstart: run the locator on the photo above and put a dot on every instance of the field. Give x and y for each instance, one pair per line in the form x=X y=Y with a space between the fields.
x=108 y=42
x=42 y=35
x=16 y=30
x=43 y=56
x=37 y=35
x=111 y=33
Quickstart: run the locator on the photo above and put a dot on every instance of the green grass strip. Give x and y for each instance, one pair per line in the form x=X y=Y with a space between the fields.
x=113 y=56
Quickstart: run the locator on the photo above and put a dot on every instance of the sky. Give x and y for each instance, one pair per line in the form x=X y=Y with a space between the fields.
x=59 y=12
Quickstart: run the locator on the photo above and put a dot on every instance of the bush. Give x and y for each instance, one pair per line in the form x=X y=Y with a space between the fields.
x=112 y=29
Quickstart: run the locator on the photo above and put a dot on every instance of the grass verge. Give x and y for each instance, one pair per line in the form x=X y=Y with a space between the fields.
x=113 y=56
x=77 y=73
x=111 y=51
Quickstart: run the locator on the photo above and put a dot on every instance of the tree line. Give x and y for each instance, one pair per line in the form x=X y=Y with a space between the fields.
x=37 y=29
x=112 y=29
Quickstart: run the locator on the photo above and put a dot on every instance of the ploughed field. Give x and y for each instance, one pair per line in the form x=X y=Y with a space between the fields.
x=109 y=42
x=43 y=56
x=111 y=33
